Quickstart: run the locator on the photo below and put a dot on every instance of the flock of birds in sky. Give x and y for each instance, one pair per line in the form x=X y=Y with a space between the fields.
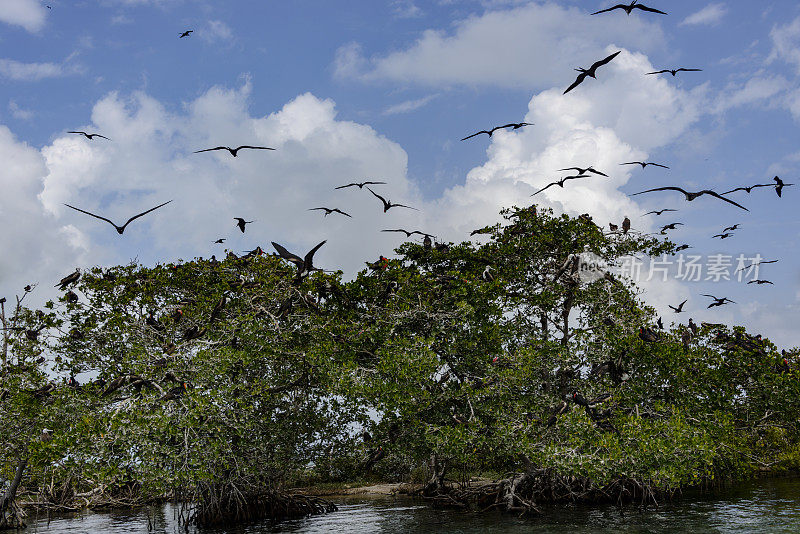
x=305 y=264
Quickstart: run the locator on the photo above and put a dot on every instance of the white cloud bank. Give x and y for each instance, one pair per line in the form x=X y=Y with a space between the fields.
x=30 y=14
x=710 y=15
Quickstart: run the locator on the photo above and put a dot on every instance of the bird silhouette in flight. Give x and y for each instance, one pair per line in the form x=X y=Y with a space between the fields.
x=561 y=182
x=659 y=212
x=584 y=171
x=679 y=307
x=779 y=185
x=731 y=228
x=304 y=265
x=220 y=240
x=120 y=229
x=408 y=234
x=629 y=8
x=359 y=184
x=88 y=136
x=671 y=226
x=241 y=223
x=234 y=151
x=676 y=71
x=591 y=72
x=185 y=34
x=645 y=164
x=719 y=301
x=512 y=125
x=724 y=235
x=748 y=189
x=693 y=195
x=756 y=264
x=682 y=247
x=328 y=211
x=387 y=204
x=759 y=282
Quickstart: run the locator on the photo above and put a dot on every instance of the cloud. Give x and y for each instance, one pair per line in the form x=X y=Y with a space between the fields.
x=758 y=89
x=409 y=105
x=30 y=14
x=786 y=43
x=519 y=47
x=18 y=112
x=406 y=9
x=216 y=30
x=710 y=15
x=31 y=72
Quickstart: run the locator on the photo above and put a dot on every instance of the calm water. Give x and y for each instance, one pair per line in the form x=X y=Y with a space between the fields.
x=764 y=506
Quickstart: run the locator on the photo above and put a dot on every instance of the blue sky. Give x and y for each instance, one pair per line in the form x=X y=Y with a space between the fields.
x=353 y=90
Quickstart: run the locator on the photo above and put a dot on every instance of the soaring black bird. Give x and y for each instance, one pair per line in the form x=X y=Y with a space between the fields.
x=693 y=195
x=387 y=204
x=88 y=135
x=359 y=184
x=676 y=71
x=119 y=229
x=69 y=279
x=779 y=185
x=591 y=72
x=630 y=7
x=513 y=125
x=408 y=234
x=328 y=211
x=731 y=228
x=241 y=223
x=560 y=182
x=185 y=34
x=645 y=164
x=682 y=247
x=659 y=212
x=725 y=235
x=718 y=301
x=584 y=171
x=234 y=151
x=679 y=307
x=759 y=282
x=748 y=189
x=755 y=264
x=671 y=226
x=220 y=240
x=304 y=265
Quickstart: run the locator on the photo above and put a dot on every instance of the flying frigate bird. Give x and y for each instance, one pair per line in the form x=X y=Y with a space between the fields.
x=645 y=164
x=328 y=211
x=719 y=301
x=779 y=185
x=756 y=264
x=679 y=307
x=674 y=72
x=512 y=125
x=119 y=229
x=234 y=151
x=88 y=136
x=591 y=72
x=241 y=223
x=304 y=265
x=584 y=171
x=359 y=184
x=692 y=195
x=560 y=182
x=630 y=7
x=659 y=212
x=387 y=204
x=185 y=34
x=748 y=189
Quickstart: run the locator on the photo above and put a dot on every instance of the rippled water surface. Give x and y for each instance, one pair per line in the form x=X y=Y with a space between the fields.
x=765 y=506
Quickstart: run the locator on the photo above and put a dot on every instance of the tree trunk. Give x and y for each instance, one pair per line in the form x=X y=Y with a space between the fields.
x=10 y=514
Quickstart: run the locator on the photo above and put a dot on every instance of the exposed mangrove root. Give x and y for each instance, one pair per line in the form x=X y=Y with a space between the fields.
x=226 y=504
x=521 y=493
x=11 y=516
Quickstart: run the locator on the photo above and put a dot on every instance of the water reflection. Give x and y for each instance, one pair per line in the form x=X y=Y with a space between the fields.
x=761 y=507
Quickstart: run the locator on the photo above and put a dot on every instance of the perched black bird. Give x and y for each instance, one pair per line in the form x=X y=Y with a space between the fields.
x=513 y=125
x=328 y=211
x=645 y=164
x=676 y=71
x=119 y=229
x=648 y=334
x=304 y=265
x=591 y=72
x=185 y=34
x=579 y=399
x=693 y=327
x=69 y=279
x=748 y=189
x=359 y=184
x=241 y=223
x=660 y=324
x=719 y=301
x=387 y=204
x=234 y=151
x=759 y=282
x=380 y=264
x=584 y=171
x=659 y=212
x=779 y=185
x=88 y=135
x=679 y=308
x=626 y=225
x=630 y=7
x=560 y=182
x=692 y=195
x=671 y=226
x=613 y=227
